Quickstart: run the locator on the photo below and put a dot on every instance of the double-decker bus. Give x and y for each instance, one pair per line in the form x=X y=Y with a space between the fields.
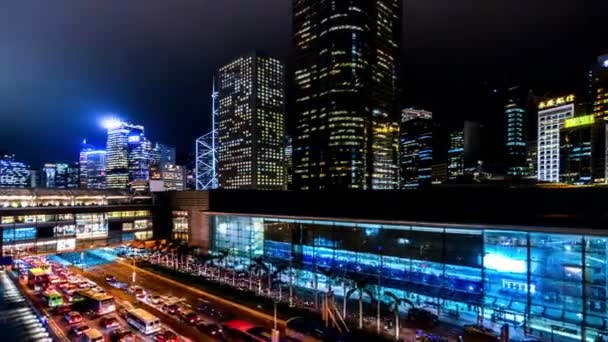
x=98 y=303
x=143 y=321
x=52 y=298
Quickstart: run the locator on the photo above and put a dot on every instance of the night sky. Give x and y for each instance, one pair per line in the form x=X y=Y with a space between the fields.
x=65 y=64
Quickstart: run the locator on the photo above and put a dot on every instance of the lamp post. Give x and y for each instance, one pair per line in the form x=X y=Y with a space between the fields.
x=275 y=332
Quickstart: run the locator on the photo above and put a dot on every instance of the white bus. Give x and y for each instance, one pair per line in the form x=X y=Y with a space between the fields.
x=143 y=321
x=99 y=303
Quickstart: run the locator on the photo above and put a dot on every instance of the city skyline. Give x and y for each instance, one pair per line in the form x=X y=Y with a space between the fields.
x=149 y=77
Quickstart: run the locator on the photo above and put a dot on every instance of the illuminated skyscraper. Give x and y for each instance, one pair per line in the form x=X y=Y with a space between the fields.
x=13 y=173
x=456 y=156
x=515 y=135
x=551 y=116
x=251 y=123
x=289 y=161
x=346 y=80
x=60 y=176
x=416 y=148
x=598 y=86
x=121 y=163
x=583 y=150
x=92 y=164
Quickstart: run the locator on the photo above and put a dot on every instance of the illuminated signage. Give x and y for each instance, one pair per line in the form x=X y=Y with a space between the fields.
x=579 y=121
x=559 y=101
x=134 y=138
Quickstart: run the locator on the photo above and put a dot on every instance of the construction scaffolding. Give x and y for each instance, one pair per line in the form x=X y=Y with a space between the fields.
x=206 y=152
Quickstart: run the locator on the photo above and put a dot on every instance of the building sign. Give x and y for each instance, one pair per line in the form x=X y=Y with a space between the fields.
x=556 y=102
x=579 y=121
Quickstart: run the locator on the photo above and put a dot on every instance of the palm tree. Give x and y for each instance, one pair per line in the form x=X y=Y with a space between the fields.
x=394 y=304
x=280 y=268
x=220 y=257
x=360 y=286
x=204 y=260
x=258 y=266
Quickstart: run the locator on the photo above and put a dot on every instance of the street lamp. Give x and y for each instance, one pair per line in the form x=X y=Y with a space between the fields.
x=275 y=337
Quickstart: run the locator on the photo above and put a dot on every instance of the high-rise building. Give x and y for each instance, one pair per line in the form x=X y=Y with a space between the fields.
x=126 y=150
x=346 y=80
x=456 y=156
x=82 y=162
x=416 y=148
x=472 y=148
x=49 y=176
x=13 y=173
x=551 y=116
x=289 y=161
x=532 y=158
x=95 y=169
x=599 y=86
x=34 y=178
x=92 y=164
x=251 y=123
x=60 y=176
x=583 y=150
x=515 y=135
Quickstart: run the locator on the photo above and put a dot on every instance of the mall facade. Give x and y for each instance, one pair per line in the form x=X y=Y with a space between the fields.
x=41 y=221
x=547 y=280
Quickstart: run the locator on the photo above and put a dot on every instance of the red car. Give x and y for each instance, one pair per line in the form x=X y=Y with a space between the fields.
x=73 y=317
x=109 y=322
x=62 y=310
x=79 y=329
x=166 y=336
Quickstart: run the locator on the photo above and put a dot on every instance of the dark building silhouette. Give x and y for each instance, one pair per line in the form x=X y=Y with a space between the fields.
x=345 y=83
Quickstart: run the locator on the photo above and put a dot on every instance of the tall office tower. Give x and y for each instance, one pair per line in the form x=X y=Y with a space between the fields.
x=82 y=162
x=251 y=123
x=472 y=148
x=599 y=86
x=49 y=176
x=60 y=176
x=122 y=139
x=140 y=159
x=416 y=148
x=167 y=154
x=289 y=161
x=551 y=116
x=13 y=173
x=95 y=169
x=515 y=135
x=456 y=156
x=532 y=158
x=346 y=81
x=583 y=150
x=34 y=178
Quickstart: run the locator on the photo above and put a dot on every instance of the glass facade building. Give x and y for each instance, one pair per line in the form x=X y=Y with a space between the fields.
x=551 y=283
x=456 y=156
x=416 y=148
x=251 y=123
x=49 y=221
x=583 y=151
x=346 y=79
x=551 y=117
x=13 y=173
x=599 y=86
x=515 y=135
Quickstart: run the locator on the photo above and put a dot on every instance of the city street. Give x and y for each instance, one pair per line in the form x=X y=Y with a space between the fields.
x=157 y=284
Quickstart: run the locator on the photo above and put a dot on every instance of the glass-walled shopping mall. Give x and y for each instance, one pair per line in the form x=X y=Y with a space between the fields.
x=546 y=282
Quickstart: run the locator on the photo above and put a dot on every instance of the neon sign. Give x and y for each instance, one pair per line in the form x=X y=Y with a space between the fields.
x=579 y=121
x=559 y=101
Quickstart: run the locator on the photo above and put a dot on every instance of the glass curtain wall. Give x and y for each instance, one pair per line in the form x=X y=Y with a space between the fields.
x=546 y=284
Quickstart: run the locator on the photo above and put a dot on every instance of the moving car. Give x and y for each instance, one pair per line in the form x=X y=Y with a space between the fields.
x=73 y=317
x=93 y=335
x=154 y=299
x=109 y=322
x=122 y=335
x=170 y=308
x=166 y=336
x=211 y=329
x=110 y=278
x=79 y=329
x=189 y=316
